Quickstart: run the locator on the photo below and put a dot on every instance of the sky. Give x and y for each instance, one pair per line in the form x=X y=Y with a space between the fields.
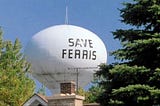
x=22 y=19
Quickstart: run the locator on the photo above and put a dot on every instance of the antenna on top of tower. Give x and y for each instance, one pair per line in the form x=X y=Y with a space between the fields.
x=66 y=15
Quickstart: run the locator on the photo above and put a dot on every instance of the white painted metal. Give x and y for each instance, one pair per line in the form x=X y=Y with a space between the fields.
x=54 y=53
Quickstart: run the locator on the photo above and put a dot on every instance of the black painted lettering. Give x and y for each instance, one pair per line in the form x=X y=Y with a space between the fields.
x=84 y=42
x=90 y=54
x=71 y=42
x=78 y=43
x=94 y=55
x=85 y=54
x=77 y=54
x=70 y=53
x=90 y=43
x=64 y=52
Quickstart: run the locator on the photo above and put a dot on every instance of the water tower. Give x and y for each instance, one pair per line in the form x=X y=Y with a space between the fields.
x=65 y=53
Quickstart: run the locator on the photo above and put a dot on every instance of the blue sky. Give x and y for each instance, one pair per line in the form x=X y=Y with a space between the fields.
x=24 y=18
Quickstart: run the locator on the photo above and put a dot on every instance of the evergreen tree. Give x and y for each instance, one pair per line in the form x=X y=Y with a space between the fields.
x=135 y=81
x=15 y=86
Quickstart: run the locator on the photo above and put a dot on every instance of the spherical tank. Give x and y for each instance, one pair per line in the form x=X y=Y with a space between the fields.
x=63 y=53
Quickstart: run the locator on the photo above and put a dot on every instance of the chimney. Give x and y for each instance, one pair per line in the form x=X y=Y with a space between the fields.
x=67 y=87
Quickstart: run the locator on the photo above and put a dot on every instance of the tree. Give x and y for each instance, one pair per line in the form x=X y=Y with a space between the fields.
x=90 y=95
x=15 y=85
x=141 y=46
x=135 y=79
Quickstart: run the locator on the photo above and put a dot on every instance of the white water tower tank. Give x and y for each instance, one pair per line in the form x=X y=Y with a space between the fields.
x=57 y=52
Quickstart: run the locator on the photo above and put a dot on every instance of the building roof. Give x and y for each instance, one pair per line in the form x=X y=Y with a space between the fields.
x=35 y=100
x=92 y=104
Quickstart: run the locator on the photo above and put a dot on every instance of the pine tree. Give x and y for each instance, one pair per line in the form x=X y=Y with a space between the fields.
x=15 y=85
x=135 y=80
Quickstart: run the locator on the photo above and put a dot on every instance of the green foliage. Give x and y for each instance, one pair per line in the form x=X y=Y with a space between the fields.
x=15 y=86
x=139 y=95
x=141 y=13
x=94 y=92
x=90 y=95
x=123 y=80
x=84 y=93
x=135 y=80
x=133 y=95
x=122 y=75
x=155 y=79
x=141 y=45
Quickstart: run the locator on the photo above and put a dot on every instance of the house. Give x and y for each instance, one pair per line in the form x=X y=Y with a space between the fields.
x=67 y=97
x=36 y=100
